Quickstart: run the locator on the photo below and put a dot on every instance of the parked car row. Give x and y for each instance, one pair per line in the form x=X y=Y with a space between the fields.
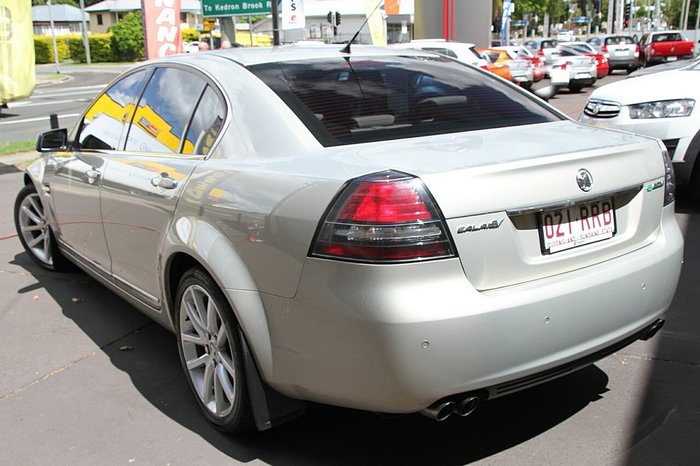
x=521 y=68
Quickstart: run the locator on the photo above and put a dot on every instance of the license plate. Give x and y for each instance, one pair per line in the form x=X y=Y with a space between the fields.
x=671 y=58
x=583 y=75
x=619 y=53
x=563 y=229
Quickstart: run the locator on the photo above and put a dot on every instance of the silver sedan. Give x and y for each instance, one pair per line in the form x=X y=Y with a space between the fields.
x=386 y=230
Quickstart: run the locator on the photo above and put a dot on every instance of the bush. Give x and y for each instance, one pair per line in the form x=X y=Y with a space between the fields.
x=127 y=38
x=190 y=35
x=43 y=49
x=100 y=48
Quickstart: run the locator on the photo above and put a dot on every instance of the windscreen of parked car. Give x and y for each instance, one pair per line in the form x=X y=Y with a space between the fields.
x=568 y=52
x=353 y=100
x=582 y=48
x=670 y=37
x=618 y=40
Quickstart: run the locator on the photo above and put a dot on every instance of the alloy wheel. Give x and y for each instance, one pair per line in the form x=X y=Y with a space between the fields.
x=207 y=351
x=34 y=229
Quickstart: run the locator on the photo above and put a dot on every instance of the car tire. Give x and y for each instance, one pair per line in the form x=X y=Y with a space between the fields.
x=211 y=353
x=575 y=88
x=34 y=232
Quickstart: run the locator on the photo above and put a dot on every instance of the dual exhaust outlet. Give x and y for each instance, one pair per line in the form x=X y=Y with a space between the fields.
x=441 y=410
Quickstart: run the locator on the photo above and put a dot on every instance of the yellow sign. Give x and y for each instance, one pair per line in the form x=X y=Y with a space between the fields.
x=209 y=24
x=17 y=76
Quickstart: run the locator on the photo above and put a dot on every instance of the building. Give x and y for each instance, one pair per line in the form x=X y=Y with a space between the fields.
x=104 y=14
x=352 y=16
x=66 y=20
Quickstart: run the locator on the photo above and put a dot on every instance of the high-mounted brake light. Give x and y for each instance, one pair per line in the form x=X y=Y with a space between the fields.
x=383 y=217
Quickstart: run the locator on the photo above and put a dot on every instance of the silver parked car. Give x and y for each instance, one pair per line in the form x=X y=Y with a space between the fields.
x=381 y=229
x=581 y=68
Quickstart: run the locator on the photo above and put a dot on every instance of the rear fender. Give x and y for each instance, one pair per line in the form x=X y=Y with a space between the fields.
x=212 y=249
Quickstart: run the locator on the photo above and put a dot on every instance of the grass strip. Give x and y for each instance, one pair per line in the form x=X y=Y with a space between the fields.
x=16 y=146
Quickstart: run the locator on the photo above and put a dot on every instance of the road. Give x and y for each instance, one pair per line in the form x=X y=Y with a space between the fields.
x=65 y=94
x=86 y=379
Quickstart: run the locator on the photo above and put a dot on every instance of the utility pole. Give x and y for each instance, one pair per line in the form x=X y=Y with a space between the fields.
x=275 y=24
x=86 y=41
x=53 y=37
x=657 y=14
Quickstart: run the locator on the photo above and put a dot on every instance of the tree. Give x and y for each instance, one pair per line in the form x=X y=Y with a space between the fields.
x=127 y=38
x=57 y=2
x=673 y=13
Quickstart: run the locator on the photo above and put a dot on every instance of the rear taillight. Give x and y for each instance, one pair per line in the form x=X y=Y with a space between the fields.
x=567 y=64
x=669 y=177
x=540 y=52
x=636 y=50
x=383 y=217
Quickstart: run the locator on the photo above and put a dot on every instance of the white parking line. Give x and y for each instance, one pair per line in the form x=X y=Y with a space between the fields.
x=29 y=103
x=29 y=120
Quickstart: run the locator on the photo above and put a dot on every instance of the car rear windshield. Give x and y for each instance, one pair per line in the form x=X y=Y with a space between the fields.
x=619 y=40
x=670 y=37
x=353 y=100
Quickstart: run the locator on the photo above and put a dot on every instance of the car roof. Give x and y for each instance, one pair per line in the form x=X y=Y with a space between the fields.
x=248 y=56
x=433 y=43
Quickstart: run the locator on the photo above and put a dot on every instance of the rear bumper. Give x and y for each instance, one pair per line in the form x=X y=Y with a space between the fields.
x=398 y=338
x=622 y=63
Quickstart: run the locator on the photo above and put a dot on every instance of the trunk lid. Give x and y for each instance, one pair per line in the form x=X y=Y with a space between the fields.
x=494 y=186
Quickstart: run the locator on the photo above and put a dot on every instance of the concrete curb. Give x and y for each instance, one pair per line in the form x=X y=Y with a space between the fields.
x=13 y=163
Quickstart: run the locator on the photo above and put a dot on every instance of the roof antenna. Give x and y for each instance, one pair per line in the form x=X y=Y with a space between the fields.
x=346 y=49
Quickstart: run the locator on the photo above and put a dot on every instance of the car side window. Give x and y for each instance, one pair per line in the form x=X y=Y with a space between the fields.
x=102 y=125
x=164 y=111
x=206 y=124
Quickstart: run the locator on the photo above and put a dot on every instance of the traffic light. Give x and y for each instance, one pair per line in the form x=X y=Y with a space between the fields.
x=596 y=6
x=337 y=18
x=582 y=6
x=628 y=12
x=329 y=17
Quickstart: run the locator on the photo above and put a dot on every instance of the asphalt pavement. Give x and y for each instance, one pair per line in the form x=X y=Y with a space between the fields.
x=86 y=379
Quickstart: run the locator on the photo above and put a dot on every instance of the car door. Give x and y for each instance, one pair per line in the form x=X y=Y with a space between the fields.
x=174 y=125
x=75 y=176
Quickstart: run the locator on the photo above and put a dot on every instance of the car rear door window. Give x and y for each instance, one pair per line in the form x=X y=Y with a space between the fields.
x=164 y=111
x=206 y=124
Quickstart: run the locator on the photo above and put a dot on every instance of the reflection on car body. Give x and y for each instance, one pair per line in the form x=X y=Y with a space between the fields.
x=382 y=229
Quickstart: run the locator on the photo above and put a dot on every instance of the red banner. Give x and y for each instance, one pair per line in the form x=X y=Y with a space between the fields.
x=161 y=27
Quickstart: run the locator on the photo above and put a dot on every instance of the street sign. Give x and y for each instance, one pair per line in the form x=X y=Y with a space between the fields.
x=217 y=8
x=581 y=19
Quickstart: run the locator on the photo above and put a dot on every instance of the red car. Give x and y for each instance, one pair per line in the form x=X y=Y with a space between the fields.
x=602 y=65
x=520 y=52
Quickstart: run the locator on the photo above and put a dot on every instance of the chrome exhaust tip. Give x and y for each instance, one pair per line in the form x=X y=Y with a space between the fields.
x=440 y=410
x=467 y=406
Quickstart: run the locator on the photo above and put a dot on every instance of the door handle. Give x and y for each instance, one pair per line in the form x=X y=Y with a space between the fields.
x=92 y=175
x=164 y=181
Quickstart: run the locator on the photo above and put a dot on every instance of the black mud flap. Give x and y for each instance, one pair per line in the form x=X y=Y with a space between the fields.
x=270 y=408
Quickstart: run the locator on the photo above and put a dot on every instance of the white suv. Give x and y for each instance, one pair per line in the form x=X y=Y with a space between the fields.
x=661 y=105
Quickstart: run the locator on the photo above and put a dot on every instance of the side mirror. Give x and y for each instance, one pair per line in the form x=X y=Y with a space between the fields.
x=49 y=141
